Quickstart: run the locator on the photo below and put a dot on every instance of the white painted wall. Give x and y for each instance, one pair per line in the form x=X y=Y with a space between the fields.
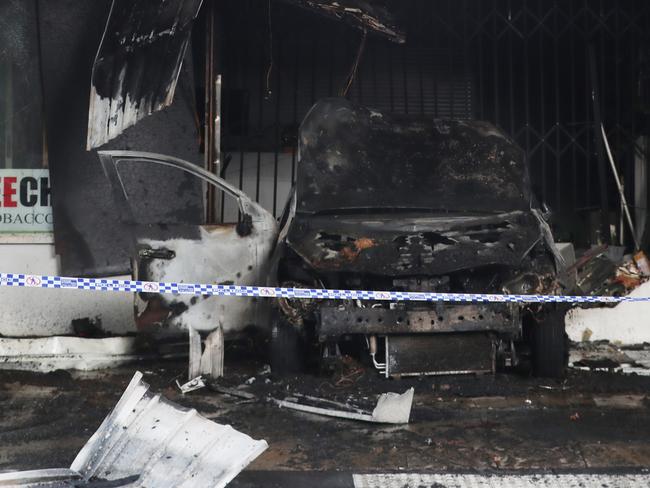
x=44 y=312
x=626 y=323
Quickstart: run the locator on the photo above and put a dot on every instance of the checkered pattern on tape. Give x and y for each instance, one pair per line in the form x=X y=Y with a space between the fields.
x=102 y=284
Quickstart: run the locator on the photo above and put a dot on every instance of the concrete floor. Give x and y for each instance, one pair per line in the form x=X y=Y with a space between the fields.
x=592 y=421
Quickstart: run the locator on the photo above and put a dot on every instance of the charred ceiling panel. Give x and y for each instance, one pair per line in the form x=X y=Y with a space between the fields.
x=90 y=239
x=138 y=63
x=362 y=15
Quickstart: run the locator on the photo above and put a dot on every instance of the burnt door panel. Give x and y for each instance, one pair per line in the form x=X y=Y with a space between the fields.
x=237 y=253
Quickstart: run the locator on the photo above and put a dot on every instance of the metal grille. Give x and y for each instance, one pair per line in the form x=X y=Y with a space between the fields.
x=521 y=64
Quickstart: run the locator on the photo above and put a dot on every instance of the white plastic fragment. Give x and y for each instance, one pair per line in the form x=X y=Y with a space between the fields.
x=192 y=385
x=393 y=408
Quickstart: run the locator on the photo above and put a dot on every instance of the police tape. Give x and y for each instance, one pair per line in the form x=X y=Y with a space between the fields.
x=103 y=284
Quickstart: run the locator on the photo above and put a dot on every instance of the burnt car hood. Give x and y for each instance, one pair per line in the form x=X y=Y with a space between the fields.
x=412 y=244
x=354 y=157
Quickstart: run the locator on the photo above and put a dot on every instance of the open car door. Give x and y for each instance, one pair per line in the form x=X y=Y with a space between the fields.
x=234 y=253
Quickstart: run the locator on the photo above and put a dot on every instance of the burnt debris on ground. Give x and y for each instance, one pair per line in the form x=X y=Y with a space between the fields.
x=589 y=419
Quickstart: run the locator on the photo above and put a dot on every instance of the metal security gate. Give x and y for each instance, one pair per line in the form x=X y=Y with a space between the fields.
x=522 y=64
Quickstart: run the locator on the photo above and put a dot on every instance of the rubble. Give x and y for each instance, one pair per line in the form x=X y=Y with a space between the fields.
x=642 y=263
x=604 y=270
x=605 y=356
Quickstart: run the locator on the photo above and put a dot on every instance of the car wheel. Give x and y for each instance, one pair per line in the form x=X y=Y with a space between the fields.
x=549 y=344
x=287 y=354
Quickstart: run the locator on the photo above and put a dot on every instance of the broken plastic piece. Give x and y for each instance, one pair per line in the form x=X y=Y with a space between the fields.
x=393 y=408
x=192 y=385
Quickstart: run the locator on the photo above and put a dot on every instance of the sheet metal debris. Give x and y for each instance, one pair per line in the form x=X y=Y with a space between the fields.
x=138 y=63
x=391 y=408
x=149 y=441
x=603 y=270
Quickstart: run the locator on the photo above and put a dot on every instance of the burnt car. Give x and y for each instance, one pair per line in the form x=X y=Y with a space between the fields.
x=409 y=203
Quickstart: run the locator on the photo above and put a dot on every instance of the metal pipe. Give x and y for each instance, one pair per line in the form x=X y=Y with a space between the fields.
x=619 y=186
x=372 y=345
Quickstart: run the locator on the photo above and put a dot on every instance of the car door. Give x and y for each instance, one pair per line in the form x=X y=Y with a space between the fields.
x=232 y=253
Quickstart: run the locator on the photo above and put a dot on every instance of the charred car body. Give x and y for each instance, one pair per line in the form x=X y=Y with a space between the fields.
x=403 y=203
x=381 y=202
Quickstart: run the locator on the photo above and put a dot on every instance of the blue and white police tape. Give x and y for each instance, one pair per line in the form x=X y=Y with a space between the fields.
x=103 y=284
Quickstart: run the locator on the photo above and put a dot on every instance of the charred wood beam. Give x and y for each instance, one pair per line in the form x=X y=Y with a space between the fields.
x=358 y=14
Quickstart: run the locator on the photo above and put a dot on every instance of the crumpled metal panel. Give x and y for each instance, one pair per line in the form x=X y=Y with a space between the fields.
x=164 y=444
x=147 y=441
x=138 y=63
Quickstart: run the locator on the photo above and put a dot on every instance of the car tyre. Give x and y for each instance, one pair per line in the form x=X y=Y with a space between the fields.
x=550 y=345
x=287 y=354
